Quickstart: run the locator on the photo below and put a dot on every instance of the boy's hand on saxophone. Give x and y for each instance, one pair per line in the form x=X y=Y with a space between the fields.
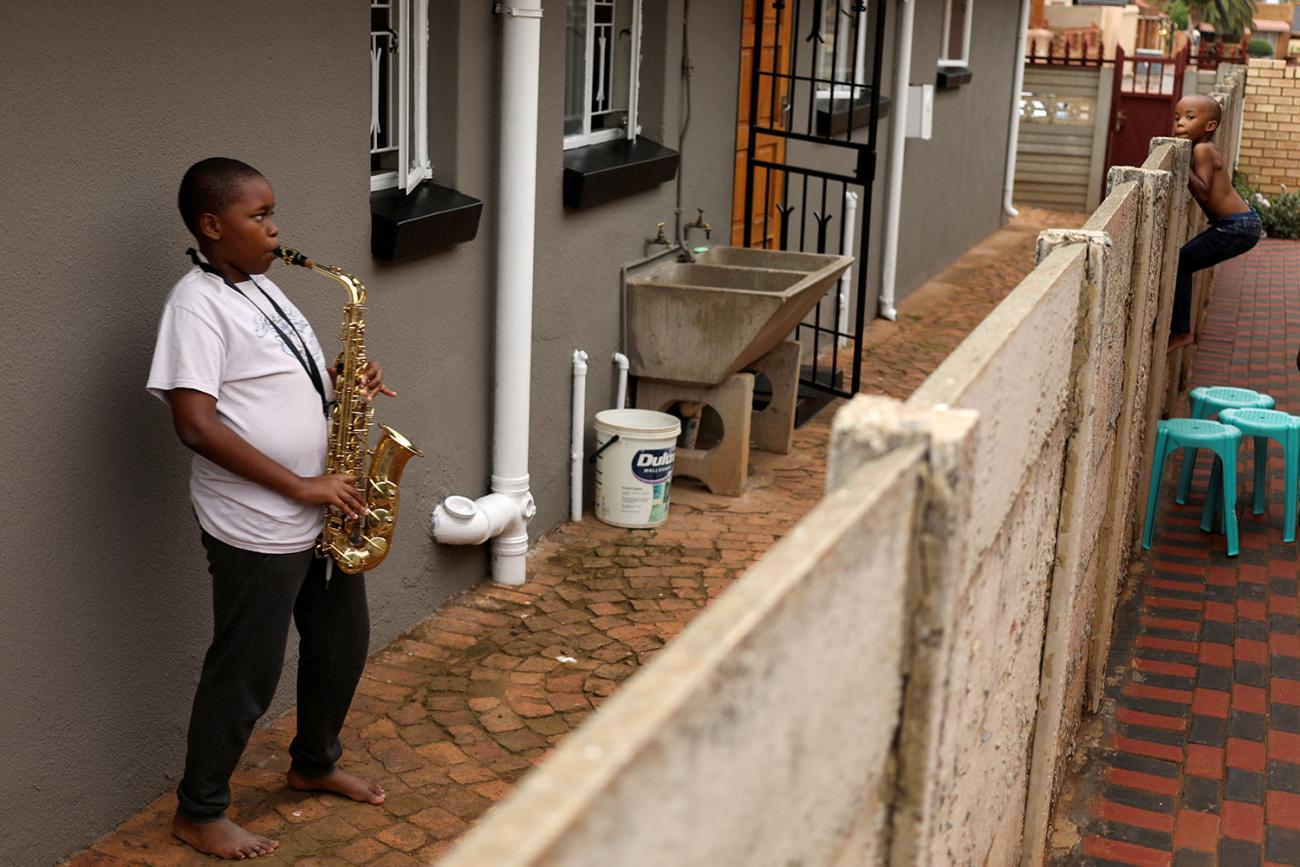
x=373 y=381
x=337 y=490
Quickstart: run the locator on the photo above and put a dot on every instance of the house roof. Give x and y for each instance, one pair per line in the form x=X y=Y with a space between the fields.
x=1268 y=25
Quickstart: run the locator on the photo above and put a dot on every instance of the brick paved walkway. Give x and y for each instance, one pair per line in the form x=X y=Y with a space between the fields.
x=1196 y=756
x=449 y=716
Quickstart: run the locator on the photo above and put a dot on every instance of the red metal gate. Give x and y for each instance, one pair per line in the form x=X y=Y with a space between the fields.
x=1142 y=106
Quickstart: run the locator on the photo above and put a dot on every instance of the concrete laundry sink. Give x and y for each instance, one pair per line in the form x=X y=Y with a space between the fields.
x=697 y=323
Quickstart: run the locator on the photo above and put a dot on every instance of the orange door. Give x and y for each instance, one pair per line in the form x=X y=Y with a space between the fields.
x=775 y=58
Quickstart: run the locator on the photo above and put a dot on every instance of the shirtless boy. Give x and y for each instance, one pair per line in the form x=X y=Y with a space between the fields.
x=1234 y=225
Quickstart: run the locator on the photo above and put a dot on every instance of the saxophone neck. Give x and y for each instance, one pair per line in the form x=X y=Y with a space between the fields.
x=356 y=289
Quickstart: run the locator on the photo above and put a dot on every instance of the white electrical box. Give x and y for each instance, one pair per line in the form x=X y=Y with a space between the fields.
x=920 y=111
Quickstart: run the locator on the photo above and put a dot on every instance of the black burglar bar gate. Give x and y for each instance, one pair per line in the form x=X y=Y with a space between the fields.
x=824 y=103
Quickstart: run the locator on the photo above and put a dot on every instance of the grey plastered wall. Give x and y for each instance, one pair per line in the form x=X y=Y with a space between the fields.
x=107 y=615
x=952 y=184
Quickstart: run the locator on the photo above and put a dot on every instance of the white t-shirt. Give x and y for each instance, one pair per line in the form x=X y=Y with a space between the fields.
x=213 y=340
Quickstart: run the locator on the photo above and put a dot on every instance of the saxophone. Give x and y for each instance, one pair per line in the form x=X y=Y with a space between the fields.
x=357 y=544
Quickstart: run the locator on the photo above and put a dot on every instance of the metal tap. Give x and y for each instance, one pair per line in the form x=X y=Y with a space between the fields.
x=659 y=240
x=684 y=240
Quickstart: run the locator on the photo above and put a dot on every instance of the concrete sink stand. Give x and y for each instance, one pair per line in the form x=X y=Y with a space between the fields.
x=693 y=327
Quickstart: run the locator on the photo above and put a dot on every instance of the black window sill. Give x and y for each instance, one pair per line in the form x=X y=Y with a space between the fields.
x=404 y=226
x=613 y=170
x=836 y=117
x=952 y=77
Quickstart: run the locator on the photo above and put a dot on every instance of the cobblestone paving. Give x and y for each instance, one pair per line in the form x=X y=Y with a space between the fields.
x=1195 y=757
x=449 y=716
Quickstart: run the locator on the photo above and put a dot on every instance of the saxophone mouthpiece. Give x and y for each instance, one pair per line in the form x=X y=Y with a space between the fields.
x=292 y=257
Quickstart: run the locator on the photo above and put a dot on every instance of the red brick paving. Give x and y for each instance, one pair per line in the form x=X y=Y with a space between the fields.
x=1197 y=760
x=449 y=716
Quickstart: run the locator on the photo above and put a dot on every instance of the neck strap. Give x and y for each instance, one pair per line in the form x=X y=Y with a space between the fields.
x=305 y=357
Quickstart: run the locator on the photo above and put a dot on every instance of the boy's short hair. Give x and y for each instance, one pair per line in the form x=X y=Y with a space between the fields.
x=209 y=185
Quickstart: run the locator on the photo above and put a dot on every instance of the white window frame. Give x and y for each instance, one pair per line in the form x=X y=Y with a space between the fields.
x=964 y=60
x=411 y=106
x=588 y=136
x=859 y=59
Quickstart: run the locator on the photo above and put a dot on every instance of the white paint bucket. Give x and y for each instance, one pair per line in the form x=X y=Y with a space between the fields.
x=634 y=473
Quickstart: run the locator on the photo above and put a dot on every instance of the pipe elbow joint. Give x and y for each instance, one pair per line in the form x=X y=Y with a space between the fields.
x=462 y=521
x=621 y=360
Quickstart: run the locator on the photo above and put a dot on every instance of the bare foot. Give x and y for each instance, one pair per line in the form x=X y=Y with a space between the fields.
x=222 y=838
x=340 y=783
x=1178 y=341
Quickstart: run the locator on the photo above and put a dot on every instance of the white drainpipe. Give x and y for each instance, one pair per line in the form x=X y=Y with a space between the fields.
x=1018 y=79
x=848 y=230
x=621 y=360
x=897 y=145
x=577 y=433
x=503 y=515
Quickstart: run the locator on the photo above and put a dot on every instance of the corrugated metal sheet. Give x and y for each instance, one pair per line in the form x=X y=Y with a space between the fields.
x=1059 y=111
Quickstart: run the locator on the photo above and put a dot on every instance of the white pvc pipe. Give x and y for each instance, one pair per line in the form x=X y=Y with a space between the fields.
x=848 y=230
x=521 y=31
x=462 y=521
x=897 y=146
x=577 y=433
x=1013 y=137
x=621 y=360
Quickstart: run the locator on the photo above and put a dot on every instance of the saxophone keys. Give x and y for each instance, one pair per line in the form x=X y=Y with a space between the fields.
x=383 y=488
x=376 y=545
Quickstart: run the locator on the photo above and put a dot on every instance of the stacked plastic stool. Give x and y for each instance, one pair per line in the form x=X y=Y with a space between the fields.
x=1265 y=425
x=1207 y=403
x=1192 y=434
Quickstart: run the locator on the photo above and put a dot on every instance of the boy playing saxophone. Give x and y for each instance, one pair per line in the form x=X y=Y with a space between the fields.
x=249 y=391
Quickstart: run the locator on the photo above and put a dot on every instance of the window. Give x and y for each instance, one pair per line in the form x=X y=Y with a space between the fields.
x=843 y=56
x=603 y=42
x=399 y=130
x=956 y=33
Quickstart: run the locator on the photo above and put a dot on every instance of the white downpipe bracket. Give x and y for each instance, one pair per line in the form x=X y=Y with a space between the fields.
x=576 y=434
x=897 y=146
x=505 y=512
x=1013 y=138
x=621 y=360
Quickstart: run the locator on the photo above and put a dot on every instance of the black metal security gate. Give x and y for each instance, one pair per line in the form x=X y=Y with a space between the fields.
x=824 y=107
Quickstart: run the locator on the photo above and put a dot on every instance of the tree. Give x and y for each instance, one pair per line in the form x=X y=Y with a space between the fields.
x=1177 y=11
x=1229 y=18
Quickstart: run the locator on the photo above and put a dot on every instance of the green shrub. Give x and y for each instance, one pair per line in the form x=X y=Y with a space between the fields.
x=1259 y=48
x=1281 y=217
x=1241 y=182
x=1280 y=214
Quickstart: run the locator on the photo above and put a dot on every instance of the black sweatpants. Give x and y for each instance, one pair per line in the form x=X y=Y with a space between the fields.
x=253 y=598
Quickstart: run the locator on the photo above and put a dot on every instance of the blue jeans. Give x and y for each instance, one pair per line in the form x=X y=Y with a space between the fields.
x=1226 y=238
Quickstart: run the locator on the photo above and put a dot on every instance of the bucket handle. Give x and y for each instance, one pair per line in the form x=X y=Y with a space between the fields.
x=609 y=442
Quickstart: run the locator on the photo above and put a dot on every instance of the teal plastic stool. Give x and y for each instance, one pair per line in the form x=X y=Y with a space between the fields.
x=1265 y=425
x=1207 y=403
x=1187 y=433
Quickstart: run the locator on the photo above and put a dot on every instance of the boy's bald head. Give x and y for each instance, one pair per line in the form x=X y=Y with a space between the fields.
x=1197 y=117
x=209 y=185
x=1205 y=104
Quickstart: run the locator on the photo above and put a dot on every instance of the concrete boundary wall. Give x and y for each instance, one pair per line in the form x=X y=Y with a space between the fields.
x=929 y=636
x=713 y=755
